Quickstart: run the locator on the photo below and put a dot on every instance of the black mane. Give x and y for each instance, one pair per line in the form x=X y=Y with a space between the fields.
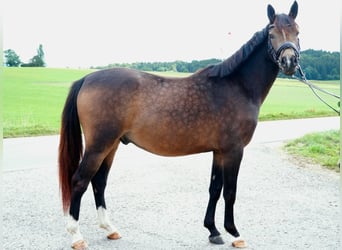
x=229 y=65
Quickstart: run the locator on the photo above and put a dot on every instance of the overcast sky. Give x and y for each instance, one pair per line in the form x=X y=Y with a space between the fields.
x=83 y=33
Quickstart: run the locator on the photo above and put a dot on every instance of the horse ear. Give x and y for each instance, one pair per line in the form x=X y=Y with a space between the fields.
x=271 y=13
x=294 y=10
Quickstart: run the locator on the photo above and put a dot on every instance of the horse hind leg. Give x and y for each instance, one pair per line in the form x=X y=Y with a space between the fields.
x=99 y=183
x=87 y=169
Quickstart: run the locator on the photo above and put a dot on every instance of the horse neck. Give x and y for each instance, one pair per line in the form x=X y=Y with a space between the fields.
x=258 y=74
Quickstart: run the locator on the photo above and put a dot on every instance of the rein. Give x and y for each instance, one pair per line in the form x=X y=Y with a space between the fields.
x=275 y=54
x=314 y=88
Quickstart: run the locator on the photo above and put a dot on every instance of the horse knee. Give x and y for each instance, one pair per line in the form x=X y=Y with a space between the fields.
x=215 y=193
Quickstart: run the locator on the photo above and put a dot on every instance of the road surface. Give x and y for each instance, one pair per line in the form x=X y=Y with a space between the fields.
x=159 y=202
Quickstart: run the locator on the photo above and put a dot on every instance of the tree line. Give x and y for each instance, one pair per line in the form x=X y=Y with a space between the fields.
x=316 y=64
x=176 y=66
x=320 y=65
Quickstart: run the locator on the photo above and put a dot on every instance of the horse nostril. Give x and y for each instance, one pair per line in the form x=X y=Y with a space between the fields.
x=294 y=60
x=287 y=62
x=283 y=61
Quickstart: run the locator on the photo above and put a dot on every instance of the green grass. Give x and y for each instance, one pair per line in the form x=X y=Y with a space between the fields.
x=33 y=99
x=289 y=99
x=321 y=148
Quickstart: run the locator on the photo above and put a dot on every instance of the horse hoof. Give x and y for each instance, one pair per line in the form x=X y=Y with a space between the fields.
x=216 y=240
x=114 y=236
x=239 y=244
x=80 y=245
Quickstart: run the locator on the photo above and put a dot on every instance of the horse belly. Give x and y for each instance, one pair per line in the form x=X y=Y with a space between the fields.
x=170 y=143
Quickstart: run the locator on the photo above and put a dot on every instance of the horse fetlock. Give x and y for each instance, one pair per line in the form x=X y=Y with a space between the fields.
x=74 y=230
x=231 y=229
x=209 y=223
x=105 y=224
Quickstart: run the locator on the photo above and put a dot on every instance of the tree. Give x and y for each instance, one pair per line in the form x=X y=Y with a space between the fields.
x=37 y=60
x=12 y=59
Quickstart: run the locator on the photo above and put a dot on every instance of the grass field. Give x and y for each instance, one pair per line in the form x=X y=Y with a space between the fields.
x=33 y=99
x=290 y=99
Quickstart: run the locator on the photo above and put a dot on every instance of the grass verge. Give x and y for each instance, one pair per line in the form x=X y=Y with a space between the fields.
x=322 y=148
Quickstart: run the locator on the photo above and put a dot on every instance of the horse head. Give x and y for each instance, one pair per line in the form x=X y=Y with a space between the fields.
x=283 y=39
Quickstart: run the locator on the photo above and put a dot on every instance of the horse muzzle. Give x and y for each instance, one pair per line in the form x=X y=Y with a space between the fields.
x=288 y=64
x=288 y=58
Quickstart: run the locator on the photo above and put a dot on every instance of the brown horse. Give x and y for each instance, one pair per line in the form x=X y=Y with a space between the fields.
x=215 y=109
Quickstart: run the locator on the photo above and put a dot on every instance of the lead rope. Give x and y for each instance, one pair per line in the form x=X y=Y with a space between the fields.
x=314 y=88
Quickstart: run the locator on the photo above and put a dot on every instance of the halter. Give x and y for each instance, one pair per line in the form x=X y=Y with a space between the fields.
x=275 y=54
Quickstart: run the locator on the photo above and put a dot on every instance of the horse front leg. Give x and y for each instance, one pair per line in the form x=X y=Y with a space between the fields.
x=231 y=166
x=216 y=182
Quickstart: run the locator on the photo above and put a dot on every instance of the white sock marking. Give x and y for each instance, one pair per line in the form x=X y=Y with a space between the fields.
x=104 y=221
x=74 y=229
x=233 y=239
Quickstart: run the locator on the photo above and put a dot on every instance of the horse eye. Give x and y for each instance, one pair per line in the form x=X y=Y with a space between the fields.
x=272 y=36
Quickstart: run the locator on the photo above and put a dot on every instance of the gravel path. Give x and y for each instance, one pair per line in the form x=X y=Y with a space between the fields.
x=159 y=203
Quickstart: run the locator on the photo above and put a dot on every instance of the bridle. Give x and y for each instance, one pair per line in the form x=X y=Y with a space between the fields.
x=275 y=54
